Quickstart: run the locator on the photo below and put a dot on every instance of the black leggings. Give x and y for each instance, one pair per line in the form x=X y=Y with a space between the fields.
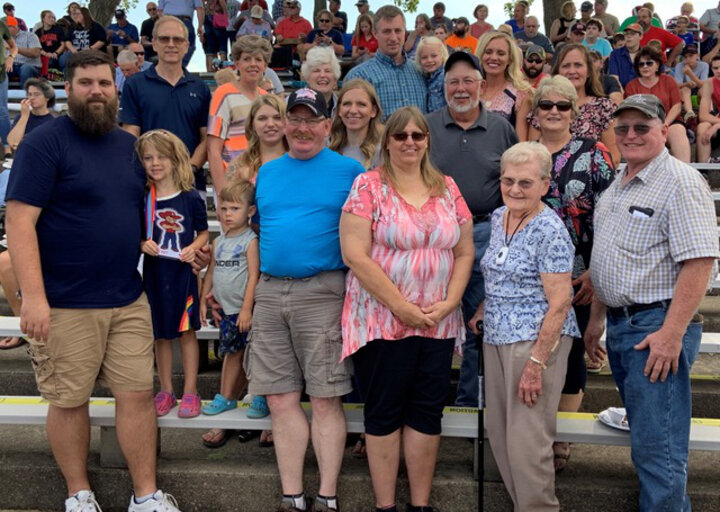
x=576 y=376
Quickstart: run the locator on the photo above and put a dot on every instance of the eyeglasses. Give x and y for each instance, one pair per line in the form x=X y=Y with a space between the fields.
x=324 y=20
x=645 y=63
x=168 y=39
x=403 y=136
x=523 y=184
x=547 y=105
x=624 y=129
x=534 y=61
x=310 y=122
x=467 y=82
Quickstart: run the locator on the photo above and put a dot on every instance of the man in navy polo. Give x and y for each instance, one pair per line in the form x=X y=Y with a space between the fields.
x=167 y=96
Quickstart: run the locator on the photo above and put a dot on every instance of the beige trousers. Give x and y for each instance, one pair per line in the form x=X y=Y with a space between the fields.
x=521 y=437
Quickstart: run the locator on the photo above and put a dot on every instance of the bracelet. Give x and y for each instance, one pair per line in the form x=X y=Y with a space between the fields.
x=538 y=362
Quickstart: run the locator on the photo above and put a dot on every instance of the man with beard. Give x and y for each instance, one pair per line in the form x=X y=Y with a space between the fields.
x=531 y=34
x=667 y=39
x=460 y=40
x=467 y=143
x=533 y=65
x=74 y=226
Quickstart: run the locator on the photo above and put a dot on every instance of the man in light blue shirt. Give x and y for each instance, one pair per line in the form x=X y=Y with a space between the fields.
x=397 y=81
x=183 y=9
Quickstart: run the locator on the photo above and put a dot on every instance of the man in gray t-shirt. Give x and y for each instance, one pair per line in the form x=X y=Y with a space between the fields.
x=467 y=143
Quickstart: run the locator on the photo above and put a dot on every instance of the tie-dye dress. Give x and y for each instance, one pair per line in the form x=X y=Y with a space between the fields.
x=414 y=247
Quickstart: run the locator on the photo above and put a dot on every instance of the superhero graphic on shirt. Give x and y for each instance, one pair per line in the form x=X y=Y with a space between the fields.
x=170 y=223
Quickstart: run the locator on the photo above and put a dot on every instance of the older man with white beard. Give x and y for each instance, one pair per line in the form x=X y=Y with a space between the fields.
x=467 y=143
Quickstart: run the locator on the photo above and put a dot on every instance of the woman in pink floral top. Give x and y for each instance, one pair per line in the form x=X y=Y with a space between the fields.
x=406 y=234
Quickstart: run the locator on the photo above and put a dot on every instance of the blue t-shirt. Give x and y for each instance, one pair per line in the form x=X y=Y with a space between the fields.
x=33 y=122
x=601 y=45
x=299 y=202
x=515 y=303
x=150 y=102
x=130 y=30
x=91 y=193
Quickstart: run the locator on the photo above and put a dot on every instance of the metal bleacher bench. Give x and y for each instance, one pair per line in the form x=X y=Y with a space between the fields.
x=457 y=421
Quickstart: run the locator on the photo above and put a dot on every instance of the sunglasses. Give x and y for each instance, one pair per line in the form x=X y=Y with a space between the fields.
x=534 y=61
x=624 y=129
x=139 y=53
x=174 y=39
x=645 y=63
x=547 y=105
x=324 y=21
x=415 y=136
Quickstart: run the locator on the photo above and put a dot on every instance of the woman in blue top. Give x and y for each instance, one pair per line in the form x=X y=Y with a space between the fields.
x=529 y=326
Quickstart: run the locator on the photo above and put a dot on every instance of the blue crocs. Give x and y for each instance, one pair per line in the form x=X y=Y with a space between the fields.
x=258 y=408
x=218 y=405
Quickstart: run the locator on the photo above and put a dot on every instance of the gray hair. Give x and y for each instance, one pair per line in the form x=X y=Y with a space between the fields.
x=44 y=87
x=556 y=84
x=527 y=152
x=127 y=57
x=318 y=56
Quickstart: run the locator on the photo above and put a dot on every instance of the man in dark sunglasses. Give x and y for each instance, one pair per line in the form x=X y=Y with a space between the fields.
x=146 y=30
x=533 y=64
x=654 y=255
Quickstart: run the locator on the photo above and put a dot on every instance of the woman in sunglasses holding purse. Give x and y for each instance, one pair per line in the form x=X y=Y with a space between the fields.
x=406 y=234
x=581 y=170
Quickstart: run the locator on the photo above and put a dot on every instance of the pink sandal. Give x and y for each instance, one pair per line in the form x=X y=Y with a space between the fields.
x=190 y=406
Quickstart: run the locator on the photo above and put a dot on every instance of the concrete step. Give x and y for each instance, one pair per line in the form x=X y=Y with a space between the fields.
x=244 y=477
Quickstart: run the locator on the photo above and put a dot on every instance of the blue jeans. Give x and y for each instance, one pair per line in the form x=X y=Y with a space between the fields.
x=24 y=72
x=659 y=414
x=467 y=391
x=4 y=113
x=191 y=40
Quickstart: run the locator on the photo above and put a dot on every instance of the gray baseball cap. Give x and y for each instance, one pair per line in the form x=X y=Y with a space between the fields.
x=648 y=104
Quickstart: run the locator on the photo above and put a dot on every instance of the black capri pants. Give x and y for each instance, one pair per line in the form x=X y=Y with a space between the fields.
x=404 y=382
x=576 y=376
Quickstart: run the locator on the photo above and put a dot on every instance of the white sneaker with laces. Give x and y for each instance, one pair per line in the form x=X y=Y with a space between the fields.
x=160 y=502
x=83 y=501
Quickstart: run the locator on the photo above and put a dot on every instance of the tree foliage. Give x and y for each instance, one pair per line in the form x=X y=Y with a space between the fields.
x=102 y=10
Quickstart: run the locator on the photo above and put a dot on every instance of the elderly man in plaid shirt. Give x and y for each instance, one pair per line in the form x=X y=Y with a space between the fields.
x=397 y=81
x=655 y=249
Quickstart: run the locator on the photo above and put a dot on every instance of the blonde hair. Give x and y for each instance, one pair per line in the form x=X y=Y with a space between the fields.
x=338 y=132
x=513 y=71
x=252 y=44
x=171 y=147
x=525 y=153
x=397 y=122
x=564 y=8
x=556 y=84
x=252 y=158
x=166 y=18
x=238 y=191
x=430 y=41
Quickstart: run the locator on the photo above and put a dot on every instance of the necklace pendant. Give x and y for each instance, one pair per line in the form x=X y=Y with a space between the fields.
x=501 y=256
x=488 y=103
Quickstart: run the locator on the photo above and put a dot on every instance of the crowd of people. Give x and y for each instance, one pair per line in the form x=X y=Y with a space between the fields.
x=444 y=195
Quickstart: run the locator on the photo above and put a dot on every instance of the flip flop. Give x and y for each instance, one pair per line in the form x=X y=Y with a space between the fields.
x=615 y=417
x=19 y=343
x=359 y=451
x=264 y=442
x=561 y=457
x=218 y=442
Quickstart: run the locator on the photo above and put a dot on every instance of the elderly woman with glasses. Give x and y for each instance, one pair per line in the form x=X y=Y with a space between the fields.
x=528 y=325
x=650 y=80
x=581 y=171
x=406 y=234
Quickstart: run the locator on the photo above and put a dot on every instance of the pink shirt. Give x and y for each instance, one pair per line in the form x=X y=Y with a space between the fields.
x=414 y=247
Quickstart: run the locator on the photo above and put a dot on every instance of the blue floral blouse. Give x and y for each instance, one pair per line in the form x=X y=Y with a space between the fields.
x=515 y=303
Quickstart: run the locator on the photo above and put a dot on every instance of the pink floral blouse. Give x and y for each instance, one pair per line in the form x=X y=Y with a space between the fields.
x=414 y=247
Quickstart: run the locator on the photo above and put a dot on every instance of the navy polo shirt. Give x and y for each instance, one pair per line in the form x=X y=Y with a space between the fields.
x=151 y=102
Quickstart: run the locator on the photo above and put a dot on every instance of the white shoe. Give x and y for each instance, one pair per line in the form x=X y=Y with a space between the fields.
x=83 y=501
x=615 y=417
x=160 y=502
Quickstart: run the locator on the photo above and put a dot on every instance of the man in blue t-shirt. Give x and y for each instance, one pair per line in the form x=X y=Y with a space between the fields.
x=298 y=302
x=74 y=226
x=122 y=33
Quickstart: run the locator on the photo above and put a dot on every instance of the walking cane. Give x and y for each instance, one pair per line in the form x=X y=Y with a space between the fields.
x=480 y=455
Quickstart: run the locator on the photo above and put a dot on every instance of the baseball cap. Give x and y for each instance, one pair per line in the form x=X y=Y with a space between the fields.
x=456 y=57
x=361 y=2
x=461 y=19
x=635 y=27
x=648 y=104
x=11 y=21
x=690 y=49
x=535 y=49
x=580 y=28
x=120 y=13
x=586 y=6
x=256 y=12
x=311 y=99
x=8 y=5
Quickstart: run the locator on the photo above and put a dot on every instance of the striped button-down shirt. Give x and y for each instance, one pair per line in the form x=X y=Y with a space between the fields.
x=397 y=85
x=645 y=229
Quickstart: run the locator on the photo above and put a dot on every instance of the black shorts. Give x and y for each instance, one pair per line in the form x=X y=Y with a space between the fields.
x=404 y=382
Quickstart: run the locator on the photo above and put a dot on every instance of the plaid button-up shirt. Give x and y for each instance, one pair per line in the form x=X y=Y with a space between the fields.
x=397 y=85
x=646 y=228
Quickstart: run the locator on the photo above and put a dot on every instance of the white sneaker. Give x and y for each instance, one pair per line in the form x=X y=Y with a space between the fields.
x=83 y=501
x=160 y=502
